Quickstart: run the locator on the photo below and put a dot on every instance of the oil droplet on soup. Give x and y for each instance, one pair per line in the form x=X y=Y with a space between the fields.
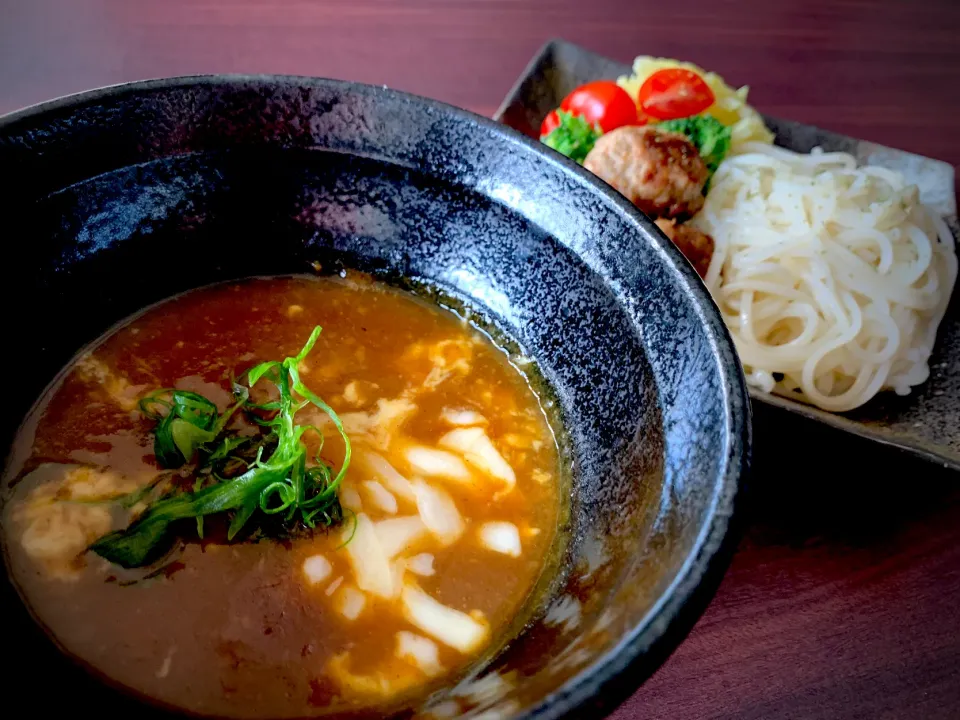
x=450 y=506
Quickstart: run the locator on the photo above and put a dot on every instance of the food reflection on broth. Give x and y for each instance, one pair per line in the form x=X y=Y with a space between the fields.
x=416 y=562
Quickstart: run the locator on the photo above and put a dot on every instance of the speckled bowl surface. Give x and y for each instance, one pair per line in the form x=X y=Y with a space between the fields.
x=127 y=195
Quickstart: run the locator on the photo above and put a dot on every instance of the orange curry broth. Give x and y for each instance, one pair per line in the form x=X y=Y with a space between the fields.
x=235 y=629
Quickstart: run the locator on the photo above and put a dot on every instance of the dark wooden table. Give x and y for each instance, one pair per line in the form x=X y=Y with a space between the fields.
x=844 y=598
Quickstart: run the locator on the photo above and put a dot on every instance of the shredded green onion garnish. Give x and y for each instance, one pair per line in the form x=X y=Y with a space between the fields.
x=277 y=482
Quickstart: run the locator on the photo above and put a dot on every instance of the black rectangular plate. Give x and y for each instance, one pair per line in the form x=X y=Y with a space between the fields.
x=926 y=422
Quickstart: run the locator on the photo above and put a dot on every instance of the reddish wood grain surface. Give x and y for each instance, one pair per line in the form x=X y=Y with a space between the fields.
x=844 y=598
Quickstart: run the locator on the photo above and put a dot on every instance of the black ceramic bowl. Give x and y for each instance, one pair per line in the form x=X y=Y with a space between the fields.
x=120 y=197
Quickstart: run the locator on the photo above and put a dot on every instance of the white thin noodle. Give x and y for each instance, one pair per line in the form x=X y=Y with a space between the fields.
x=832 y=279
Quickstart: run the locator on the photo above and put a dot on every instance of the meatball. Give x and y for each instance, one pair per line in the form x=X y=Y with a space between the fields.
x=696 y=246
x=660 y=172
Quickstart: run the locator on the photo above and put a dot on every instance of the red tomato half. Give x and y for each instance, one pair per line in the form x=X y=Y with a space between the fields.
x=550 y=123
x=674 y=93
x=603 y=103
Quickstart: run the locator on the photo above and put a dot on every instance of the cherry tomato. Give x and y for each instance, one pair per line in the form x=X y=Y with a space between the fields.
x=550 y=123
x=603 y=103
x=674 y=93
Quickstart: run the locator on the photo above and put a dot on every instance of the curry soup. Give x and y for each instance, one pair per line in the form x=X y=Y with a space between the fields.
x=416 y=561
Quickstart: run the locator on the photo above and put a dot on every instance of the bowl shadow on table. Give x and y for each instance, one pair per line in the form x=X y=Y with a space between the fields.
x=814 y=483
x=840 y=600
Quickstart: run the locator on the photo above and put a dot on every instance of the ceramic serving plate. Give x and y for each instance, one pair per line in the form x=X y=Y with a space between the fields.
x=927 y=422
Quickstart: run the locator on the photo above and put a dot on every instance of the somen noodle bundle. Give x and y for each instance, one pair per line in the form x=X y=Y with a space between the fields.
x=832 y=278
